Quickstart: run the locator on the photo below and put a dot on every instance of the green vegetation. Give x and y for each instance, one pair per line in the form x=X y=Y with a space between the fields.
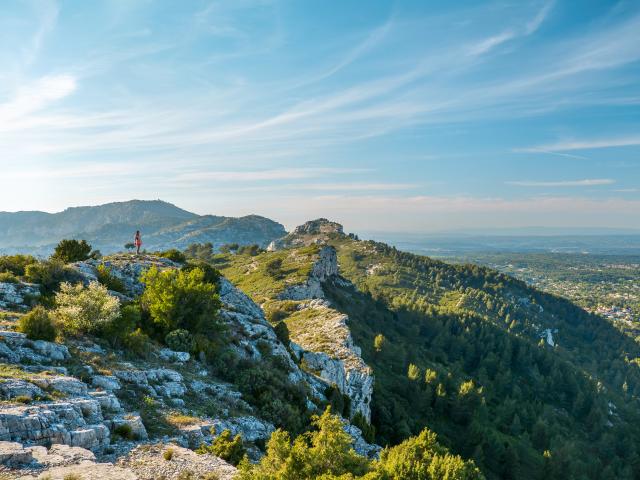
x=49 y=274
x=82 y=310
x=326 y=453
x=174 y=255
x=106 y=278
x=69 y=251
x=180 y=340
x=479 y=378
x=38 y=325
x=458 y=348
x=254 y=277
x=225 y=446
x=16 y=264
x=181 y=299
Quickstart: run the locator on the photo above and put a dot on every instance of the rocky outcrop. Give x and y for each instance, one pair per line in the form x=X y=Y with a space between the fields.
x=16 y=347
x=16 y=295
x=326 y=348
x=126 y=267
x=313 y=232
x=324 y=268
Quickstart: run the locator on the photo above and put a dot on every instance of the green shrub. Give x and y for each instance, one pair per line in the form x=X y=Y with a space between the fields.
x=125 y=431
x=224 y=446
x=180 y=340
x=50 y=274
x=83 y=309
x=109 y=280
x=178 y=299
x=174 y=255
x=116 y=331
x=274 y=268
x=69 y=251
x=16 y=264
x=38 y=325
x=211 y=275
x=168 y=454
x=325 y=451
x=266 y=386
x=282 y=332
x=26 y=399
x=252 y=250
x=138 y=343
x=368 y=430
x=8 y=277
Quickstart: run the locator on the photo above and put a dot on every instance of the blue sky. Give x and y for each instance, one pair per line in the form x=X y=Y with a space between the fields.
x=398 y=116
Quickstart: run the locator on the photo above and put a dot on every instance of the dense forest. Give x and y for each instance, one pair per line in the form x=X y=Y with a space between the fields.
x=525 y=383
x=458 y=348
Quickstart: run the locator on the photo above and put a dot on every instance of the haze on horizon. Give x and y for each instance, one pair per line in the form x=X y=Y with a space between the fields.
x=402 y=116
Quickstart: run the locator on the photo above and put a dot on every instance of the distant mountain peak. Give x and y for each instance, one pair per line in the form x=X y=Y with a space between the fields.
x=109 y=226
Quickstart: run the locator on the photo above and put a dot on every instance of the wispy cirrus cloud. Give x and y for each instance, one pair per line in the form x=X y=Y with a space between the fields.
x=588 y=182
x=586 y=144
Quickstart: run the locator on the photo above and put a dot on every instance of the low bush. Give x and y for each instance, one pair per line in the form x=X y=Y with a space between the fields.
x=117 y=331
x=109 y=280
x=69 y=251
x=16 y=264
x=137 y=343
x=8 y=277
x=251 y=250
x=174 y=255
x=38 y=325
x=282 y=332
x=230 y=449
x=50 y=274
x=124 y=431
x=181 y=299
x=211 y=275
x=83 y=309
x=168 y=454
x=180 y=340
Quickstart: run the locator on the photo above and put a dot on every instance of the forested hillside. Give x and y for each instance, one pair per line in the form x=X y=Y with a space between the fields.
x=525 y=383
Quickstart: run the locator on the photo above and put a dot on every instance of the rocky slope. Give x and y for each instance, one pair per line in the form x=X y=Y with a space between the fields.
x=87 y=396
x=319 y=332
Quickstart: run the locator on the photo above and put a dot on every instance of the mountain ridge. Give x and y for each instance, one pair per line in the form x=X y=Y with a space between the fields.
x=109 y=226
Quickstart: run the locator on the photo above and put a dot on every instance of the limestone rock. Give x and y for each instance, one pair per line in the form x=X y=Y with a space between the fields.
x=11 y=388
x=169 y=355
x=249 y=428
x=13 y=454
x=147 y=462
x=15 y=295
x=106 y=382
x=66 y=385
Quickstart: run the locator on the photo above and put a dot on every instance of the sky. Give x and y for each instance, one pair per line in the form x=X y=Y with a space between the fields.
x=403 y=116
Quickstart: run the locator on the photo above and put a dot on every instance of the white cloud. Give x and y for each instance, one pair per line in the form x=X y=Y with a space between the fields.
x=34 y=97
x=491 y=42
x=590 y=182
x=569 y=145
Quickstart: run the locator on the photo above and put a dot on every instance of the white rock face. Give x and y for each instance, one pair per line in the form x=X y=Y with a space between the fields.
x=324 y=268
x=15 y=295
x=249 y=428
x=326 y=346
x=16 y=347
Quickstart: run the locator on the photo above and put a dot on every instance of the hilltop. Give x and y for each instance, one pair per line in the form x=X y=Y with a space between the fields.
x=108 y=227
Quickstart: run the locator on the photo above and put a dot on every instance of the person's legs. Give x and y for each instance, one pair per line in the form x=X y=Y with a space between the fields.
x=138 y=250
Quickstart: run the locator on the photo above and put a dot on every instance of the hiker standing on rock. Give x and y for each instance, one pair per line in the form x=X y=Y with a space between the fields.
x=137 y=241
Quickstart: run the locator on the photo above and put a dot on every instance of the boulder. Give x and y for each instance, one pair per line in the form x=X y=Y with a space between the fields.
x=66 y=385
x=12 y=388
x=13 y=454
x=106 y=382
